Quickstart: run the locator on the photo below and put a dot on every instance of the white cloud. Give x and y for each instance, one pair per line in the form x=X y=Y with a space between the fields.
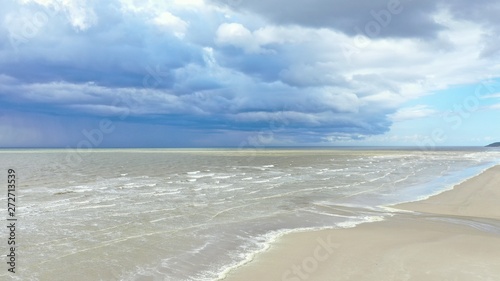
x=237 y=35
x=157 y=7
x=80 y=13
x=494 y=107
x=412 y=113
x=272 y=34
x=171 y=23
x=340 y=102
x=491 y=96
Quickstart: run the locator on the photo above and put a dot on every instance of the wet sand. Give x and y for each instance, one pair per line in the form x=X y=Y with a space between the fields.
x=451 y=236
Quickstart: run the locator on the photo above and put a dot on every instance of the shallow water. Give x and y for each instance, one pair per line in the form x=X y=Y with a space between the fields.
x=194 y=214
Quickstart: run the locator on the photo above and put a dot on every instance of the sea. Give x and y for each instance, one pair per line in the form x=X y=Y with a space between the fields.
x=197 y=214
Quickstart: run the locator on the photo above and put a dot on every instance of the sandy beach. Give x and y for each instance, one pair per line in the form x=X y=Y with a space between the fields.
x=451 y=236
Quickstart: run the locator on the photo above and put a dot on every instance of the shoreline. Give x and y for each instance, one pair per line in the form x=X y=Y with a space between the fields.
x=454 y=235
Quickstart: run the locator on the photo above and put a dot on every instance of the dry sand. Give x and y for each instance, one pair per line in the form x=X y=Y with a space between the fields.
x=451 y=236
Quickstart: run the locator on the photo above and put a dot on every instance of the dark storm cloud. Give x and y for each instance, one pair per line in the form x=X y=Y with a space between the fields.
x=378 y=18
x=122 y=59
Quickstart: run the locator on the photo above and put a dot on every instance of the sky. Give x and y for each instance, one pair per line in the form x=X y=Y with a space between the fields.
x=241 y=73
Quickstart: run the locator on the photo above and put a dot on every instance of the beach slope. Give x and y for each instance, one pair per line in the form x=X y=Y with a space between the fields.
x=451 y=236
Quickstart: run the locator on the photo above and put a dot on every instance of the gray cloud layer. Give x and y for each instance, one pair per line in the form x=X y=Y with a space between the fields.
x=395 y=18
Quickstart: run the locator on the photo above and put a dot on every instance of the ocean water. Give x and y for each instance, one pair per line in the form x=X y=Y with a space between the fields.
x=167 y=214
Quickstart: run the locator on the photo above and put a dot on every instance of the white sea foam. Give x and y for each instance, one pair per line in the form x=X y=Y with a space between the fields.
x=199 y=176
x=261 y=181
x=223 y=177
x=263 y=242
x=234 y=189
x=358 y=221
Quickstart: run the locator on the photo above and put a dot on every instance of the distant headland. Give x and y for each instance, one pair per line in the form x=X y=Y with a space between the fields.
x=495 y=144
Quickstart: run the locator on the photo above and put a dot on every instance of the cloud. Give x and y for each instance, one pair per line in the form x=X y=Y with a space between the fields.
x=494 y=107
x=120 y=56
x=412 y=113
x=235 y=69
x=491 y=96
x=172 y=23
x=387 y=18
x=237 y=35
x=258 y=41
x=323 y=109
x=80 y=14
